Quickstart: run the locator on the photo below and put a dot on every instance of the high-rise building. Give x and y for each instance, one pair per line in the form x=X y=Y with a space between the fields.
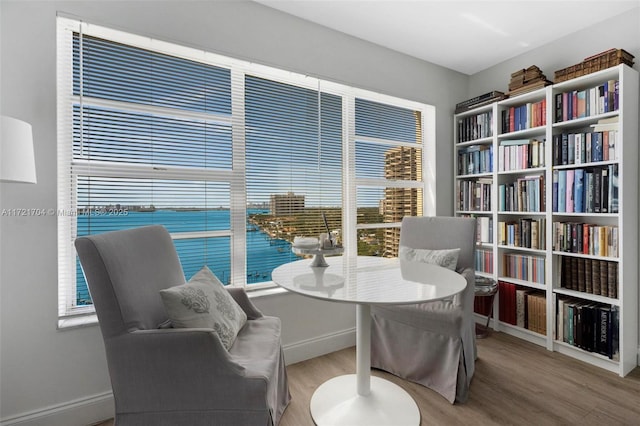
x=286 y=204
x=401 y=163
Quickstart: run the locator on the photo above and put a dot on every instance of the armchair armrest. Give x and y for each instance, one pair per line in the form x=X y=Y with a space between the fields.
x=242 y=299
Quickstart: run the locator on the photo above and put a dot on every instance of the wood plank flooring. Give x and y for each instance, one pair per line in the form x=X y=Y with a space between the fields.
x=515 y=383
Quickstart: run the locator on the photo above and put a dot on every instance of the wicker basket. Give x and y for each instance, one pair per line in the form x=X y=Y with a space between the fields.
x=594 y=63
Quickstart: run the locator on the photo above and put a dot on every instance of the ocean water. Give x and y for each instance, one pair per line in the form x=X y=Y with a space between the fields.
x=263 y=253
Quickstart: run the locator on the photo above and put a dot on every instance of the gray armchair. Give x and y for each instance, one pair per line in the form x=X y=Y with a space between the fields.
x=176 y=376
x=431 y=343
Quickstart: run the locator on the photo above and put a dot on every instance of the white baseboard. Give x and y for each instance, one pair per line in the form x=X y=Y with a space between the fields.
x=97 y=408
x=319 y=345
x=79 y=412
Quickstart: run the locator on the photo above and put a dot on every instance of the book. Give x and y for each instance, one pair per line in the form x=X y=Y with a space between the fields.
x=595 y=277
x=574 y=273
x=613 y=188
x=612 y=279
x=521 y=312
x=477 y=101
x=597 y=188
x=570 y=323
x=588 y=272
x=578 y=191
x=562 y=188
x=569 y=191
x=554 y=195
x=604 y=191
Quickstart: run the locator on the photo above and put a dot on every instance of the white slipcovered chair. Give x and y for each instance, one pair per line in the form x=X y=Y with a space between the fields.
x=431 y=343
x=177 y=376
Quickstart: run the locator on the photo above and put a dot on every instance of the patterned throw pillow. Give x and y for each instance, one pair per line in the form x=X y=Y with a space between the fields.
x=203 y=302
x=445 y=258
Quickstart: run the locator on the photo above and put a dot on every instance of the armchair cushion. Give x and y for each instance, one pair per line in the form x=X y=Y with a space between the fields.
x=446 y=258
x=203 y=302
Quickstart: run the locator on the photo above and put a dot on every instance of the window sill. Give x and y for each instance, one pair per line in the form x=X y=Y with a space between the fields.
x=78 y=321
x=90 y=319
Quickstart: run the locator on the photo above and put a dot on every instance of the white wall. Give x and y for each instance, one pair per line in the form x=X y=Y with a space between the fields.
x=54 y=377
x=621 y=32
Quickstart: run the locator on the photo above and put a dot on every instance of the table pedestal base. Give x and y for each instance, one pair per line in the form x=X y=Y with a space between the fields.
x=336 y=402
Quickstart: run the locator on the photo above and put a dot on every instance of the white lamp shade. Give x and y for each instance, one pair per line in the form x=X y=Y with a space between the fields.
x=16 y=151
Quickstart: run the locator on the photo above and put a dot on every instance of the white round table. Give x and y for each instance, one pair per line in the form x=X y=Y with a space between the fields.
x=359 y=399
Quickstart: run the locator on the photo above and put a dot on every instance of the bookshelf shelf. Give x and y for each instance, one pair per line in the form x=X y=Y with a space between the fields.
x=533 y=170
x=583 y=215
x=518 y=134
x=475 y=175
x=533 y=96
x=585 y=256
x=475 y=111
x=588 y=357
x=475 y=212
x=587 y=296
x=523 y=249
x=584 y=121
x=481 y=141
x=588 y=106
x=509 y=213
x=484 y=274
x=584 y=165
x=523 y=283
x=522 y=333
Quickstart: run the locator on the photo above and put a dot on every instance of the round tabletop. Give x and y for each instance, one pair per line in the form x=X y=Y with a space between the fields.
x=369 y=280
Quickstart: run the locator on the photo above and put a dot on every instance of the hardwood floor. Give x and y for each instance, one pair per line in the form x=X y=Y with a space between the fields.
x=515 y=383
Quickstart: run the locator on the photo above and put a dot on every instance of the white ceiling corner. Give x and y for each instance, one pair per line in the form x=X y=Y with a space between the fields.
x=464 y=35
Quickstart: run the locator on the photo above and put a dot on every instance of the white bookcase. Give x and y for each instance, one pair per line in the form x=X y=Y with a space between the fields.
x=479 y=188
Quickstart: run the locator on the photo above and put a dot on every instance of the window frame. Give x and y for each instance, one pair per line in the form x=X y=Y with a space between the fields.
x=234 y=177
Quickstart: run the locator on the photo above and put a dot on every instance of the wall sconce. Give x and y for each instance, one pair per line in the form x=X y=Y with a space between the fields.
x=17 y=163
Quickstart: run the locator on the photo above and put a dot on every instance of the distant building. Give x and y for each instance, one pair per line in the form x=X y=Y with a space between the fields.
x=401 y=163
x=286 y=204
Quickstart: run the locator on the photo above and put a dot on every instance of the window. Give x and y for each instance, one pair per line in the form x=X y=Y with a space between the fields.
x=234 y=159
x=388 y=172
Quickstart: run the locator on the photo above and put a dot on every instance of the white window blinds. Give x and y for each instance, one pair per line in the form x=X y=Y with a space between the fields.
x=388 y=170
x=234 y=159
x=151 y=143
x=294 y=162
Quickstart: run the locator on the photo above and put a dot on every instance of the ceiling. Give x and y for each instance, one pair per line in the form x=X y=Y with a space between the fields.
x=467 y=35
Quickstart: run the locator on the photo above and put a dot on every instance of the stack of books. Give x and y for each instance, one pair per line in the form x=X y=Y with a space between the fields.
x=485 y=99
x=526 y=80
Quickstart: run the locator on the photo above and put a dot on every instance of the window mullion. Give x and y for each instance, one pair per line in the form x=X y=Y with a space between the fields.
x=159 y=111
x=238 y=182
x=139 y=171
x=350 y=203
